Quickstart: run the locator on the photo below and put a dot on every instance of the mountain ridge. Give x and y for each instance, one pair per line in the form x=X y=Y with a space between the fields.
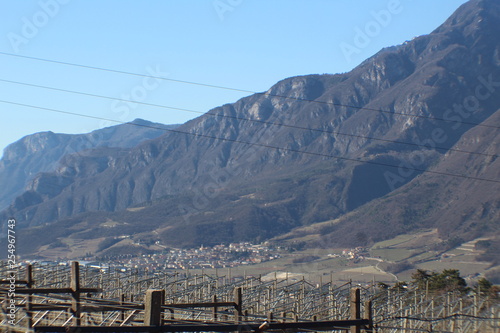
x=41 y=152
x=238 y=178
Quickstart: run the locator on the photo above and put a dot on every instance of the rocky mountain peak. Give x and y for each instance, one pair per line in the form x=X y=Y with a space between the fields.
x=472 y=16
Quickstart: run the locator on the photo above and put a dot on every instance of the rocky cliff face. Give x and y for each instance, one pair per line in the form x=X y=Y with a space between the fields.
x=41 y=152
x=459 y=207
x=310 y=149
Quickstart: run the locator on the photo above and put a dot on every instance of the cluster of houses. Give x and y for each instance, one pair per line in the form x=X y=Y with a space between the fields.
x=356 y=254
x=218 y=256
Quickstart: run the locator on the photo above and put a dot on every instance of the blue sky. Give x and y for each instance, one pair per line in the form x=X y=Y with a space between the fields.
x=244 y=44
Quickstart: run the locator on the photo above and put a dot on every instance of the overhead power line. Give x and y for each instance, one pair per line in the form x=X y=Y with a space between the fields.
x=259 y=144
x=250 y=91
x=251 y=120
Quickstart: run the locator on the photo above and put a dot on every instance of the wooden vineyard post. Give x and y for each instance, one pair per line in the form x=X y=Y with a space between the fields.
x=75 y=288
x=214 y=309
x=122 y=312
x=238 y=299
x=369 y=315
x=152 y=307
x=29 y=284
x=355 y=309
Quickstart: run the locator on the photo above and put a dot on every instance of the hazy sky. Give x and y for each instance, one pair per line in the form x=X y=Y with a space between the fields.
x=244 y=44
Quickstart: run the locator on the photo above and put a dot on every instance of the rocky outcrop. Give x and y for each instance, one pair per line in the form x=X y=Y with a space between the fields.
x=23 y=160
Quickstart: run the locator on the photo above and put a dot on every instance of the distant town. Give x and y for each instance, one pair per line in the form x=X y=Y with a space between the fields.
x=204 y=257
x=218 y=256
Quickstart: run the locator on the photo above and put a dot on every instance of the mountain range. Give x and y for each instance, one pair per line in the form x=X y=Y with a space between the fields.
x=407 y=140
x=23 y=160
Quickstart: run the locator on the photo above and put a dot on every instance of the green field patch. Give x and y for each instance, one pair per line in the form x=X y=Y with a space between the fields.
x=465 y=268
x=461 y=252
x=391 y=254
x=393 y=242
x=424 y=256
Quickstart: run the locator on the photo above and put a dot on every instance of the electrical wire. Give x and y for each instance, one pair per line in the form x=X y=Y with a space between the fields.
x=249 y=91
x=248 y=119
x=259 y=144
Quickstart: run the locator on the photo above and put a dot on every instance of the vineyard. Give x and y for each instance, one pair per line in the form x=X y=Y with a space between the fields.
x=54 y=298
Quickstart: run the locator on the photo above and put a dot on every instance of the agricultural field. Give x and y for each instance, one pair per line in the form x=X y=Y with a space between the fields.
x=417 y=250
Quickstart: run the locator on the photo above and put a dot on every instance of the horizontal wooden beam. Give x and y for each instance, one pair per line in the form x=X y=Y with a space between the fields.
x=125 y=307
x=100 y=308
x=56 y=290
x=84 y=308
x=209 y=327
x=49 y=307
x=16 y=282
x=200 y=305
